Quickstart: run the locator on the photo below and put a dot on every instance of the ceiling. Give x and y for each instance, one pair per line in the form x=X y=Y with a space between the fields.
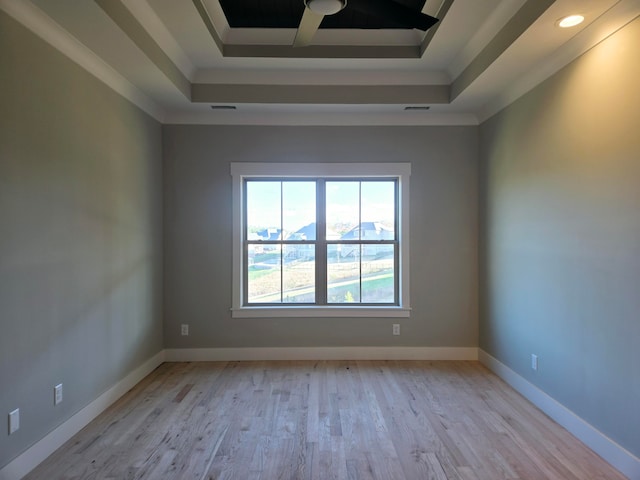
x=287 y=14
x=178 y=58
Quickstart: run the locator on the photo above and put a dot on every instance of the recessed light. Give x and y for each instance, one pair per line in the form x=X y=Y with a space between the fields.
x=223 y=107
x=570 y=21
x=417 y=108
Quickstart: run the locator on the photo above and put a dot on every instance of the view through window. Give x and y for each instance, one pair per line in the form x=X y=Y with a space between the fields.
x=321 y=241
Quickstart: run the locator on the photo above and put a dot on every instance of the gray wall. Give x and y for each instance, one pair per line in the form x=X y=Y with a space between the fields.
x=80 y=242
x=560 y=277
x=198 y=222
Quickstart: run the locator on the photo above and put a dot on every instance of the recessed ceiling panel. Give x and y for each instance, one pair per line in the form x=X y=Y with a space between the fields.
x=141 y=38
x=287 y=14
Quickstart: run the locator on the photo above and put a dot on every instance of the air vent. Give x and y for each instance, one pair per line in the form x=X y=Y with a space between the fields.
x=416 y=108
x=223 y=107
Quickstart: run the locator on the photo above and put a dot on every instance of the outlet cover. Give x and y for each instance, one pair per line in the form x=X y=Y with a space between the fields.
x=184 y=330
x=396 y=329
x=534 y=361
x=57 y=394
x=14 y=421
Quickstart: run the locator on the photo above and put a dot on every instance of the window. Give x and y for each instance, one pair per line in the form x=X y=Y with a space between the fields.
x=320 y=239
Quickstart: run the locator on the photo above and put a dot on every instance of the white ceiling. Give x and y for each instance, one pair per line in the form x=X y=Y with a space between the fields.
x=162 y=46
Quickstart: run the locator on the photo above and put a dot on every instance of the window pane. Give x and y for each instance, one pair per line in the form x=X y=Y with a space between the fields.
x=343 y=210
x=378 y=210
x=263 y=274
x=264 y=210
x=299 y=273
x=343 y=273
x=299 y=210
x=378 y=264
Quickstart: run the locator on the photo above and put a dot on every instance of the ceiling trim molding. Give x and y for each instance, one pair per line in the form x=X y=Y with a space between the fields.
x=318 y=51
x=211 y=28
x=494 y=23
x=400 y=119
x=41 y=25
x=130 y=25
x=322 y=51
x=320 y=94
x=442 y=12
x=515 y=27
x=405 y=92
x=323 y=77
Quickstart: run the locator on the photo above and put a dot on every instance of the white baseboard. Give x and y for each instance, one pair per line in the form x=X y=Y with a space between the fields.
x=320 y=353
x=34 y=455
x=613 y=453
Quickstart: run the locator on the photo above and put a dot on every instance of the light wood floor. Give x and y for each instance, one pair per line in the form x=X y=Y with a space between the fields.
x=316 y=420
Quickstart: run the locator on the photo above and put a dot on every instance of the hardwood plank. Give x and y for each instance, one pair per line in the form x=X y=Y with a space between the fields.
x=323 y=420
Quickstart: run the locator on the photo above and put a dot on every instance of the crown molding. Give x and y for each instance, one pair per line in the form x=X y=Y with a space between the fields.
x=320 y=94
x=264 y=118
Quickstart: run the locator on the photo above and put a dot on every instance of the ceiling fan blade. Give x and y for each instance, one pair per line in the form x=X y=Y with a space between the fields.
x=308 y=27
x=395 y=12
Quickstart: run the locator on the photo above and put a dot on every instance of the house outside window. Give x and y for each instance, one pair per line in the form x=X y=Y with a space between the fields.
x=314 y=240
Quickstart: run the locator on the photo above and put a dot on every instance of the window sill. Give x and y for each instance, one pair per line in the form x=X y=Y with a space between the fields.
x=319 y=312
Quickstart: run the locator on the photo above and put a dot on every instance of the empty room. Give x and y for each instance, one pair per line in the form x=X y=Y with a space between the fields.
x=309 y=239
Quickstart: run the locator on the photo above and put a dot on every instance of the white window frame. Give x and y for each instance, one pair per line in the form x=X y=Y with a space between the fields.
x=242 y=170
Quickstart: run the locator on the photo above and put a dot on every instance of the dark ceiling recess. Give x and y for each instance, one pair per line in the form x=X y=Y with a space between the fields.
x=287 y=14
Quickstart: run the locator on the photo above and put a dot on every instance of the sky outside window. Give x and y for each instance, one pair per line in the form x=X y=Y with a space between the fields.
x=291 y=205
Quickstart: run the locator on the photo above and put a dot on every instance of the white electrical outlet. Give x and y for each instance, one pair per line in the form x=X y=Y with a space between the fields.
x=396 y=329
x=184 y=329
x=57 y=394
x=534 y=361
x=14 y=421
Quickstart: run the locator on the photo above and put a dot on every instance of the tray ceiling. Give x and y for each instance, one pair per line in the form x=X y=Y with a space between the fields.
x=287 y=14
x=177 y=58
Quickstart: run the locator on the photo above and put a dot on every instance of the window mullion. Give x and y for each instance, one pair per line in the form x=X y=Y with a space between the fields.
x=321 y=243
x=360 y=238
x=281 y=239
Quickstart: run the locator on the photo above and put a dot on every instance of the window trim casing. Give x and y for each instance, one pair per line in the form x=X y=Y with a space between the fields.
x=242 y=170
